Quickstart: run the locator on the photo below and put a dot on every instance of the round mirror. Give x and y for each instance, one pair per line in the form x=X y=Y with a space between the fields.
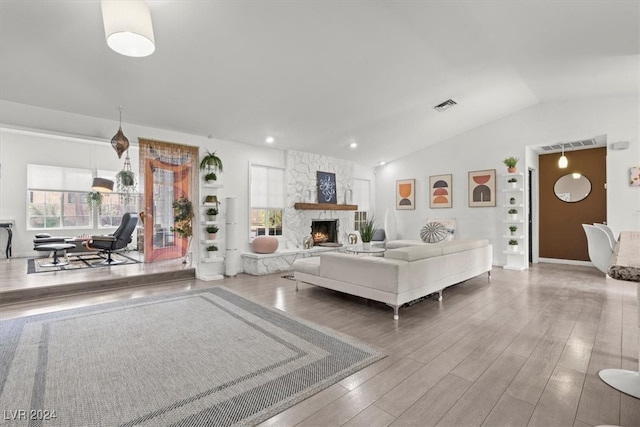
x=572 y=187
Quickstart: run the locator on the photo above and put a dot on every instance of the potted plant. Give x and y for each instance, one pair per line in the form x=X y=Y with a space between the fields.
x=212 y=213
x=513 y=243
x=212 y=164
x=510 y=163
x=513 y=213
x=212 y=230
x=513 y=229
x=211 y=176
x=182 y=215
x=94 y=200
x=126 y=182
x=367 y=229
x=512 y=201
x=513 y=182
x=211 y=250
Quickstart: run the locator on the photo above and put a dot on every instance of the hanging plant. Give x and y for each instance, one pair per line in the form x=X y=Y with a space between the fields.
x=211 y=162
x=126 y=181
x=183 y=213
x=94 y=200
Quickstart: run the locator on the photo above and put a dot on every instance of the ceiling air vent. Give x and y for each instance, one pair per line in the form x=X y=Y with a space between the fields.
x=445 y=105
x=570 y=145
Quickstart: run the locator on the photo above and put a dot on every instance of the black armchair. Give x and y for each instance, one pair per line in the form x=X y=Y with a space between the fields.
x=118 y=240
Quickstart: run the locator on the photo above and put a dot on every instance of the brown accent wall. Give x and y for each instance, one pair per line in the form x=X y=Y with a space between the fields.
x=561 y=232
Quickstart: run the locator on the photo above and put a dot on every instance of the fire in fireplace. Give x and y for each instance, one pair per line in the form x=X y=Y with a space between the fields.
x=324 y=231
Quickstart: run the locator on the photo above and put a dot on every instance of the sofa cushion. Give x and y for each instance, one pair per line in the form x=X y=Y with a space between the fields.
x=412 y=253
x=433 y=232
x=373 y=272
x=309 y=265
x=462 y=245
x=393 y=244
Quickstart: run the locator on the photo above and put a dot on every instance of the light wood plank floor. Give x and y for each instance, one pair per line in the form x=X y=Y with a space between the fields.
x=523 y=350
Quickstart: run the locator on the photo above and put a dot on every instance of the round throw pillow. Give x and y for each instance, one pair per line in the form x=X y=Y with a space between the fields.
x=433 y=232
x=264 y=244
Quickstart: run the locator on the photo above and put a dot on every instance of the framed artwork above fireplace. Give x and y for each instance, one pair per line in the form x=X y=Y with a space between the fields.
x=327 y=187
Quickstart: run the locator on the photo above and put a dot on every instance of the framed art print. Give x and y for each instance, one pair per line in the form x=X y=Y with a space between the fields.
x=406 y=194
x=482 y=188
x=327 y=187
x=440 y=191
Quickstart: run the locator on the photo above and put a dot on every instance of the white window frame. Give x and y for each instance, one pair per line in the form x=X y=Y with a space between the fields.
x=281 y=207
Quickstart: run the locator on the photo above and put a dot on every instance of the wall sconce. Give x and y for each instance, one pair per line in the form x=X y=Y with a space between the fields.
x=102 y=185
x=128 y=27
x=563 y=162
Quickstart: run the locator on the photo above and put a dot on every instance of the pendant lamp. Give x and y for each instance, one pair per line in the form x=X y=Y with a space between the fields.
x=563 y=162
x=128 y=27
x=102 y=185
x=119 y=142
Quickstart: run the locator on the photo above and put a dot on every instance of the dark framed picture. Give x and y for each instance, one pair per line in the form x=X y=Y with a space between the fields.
x=440 y=191
x=406 y=194
x=327 y=187
x=482 y=188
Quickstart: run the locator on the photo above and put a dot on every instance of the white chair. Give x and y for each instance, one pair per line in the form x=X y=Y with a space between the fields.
x=600 y=250
x=609 y=232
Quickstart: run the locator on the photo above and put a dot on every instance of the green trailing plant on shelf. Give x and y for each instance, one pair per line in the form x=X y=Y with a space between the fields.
x=212 y=229
x=512 y=200
x=211 y=176
x=513 y=242
x=513 y=211
x=512 y=180
x=212 y=248
x=513 y=228
x=212 y=164
x=367 y=229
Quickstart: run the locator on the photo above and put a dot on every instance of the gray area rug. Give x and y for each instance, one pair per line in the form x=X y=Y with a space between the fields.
x=91 y=260
x=200 y=358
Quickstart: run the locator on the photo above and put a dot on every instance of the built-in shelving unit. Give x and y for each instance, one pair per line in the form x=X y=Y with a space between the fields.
x=514 y=199
x=325 y=207
x=210 y=267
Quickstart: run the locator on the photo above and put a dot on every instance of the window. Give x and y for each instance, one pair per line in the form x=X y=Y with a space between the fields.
x=57 y=197
x=267 y=200
x=361 y=196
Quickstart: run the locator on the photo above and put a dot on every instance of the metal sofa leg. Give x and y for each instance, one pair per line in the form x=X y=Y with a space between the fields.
x=440 y=295
x=489 y=276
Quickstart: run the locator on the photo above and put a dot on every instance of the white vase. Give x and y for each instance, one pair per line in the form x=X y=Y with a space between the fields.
x=514 y=248
x=212 y=254
x=513 y=185
x=514 y=217
x=366 y=245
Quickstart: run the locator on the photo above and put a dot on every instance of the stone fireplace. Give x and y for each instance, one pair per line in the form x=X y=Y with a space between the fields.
x=325 y=232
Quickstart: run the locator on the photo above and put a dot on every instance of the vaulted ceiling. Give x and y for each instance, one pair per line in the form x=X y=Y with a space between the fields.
x=318 y=75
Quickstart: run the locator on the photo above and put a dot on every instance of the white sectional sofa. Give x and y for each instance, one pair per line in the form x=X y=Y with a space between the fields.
x=404 y=274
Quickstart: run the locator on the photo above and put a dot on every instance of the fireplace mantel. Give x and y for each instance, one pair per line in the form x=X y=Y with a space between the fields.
x=325 y=207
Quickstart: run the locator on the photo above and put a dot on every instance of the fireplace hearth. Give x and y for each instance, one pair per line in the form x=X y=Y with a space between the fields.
x=324 y=232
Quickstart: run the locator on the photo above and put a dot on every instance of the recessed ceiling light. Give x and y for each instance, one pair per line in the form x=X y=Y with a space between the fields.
x=353 y=144
x=382 y=163
x=270 y=140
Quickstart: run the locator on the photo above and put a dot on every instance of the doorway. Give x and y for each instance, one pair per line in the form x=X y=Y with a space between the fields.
x=563 y=211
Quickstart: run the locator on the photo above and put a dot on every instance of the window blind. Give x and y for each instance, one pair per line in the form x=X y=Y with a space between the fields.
x=267 y=187
x=43 y=177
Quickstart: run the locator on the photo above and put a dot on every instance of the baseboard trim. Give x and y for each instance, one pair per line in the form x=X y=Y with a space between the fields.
x=566 y=261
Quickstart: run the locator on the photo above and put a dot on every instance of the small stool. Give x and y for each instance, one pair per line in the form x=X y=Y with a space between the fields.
x=55 y=248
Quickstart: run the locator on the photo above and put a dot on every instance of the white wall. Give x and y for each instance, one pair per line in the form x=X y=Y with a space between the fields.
x=89 y=147
x=487 y=146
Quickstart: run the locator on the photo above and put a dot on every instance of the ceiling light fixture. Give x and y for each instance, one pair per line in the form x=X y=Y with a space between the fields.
x=563 y=162
x=119 y=142
x=443 y=106
x=382 y=163
x=270 y=140
x=128 y=27
x=353 y=145
x=102 y=185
